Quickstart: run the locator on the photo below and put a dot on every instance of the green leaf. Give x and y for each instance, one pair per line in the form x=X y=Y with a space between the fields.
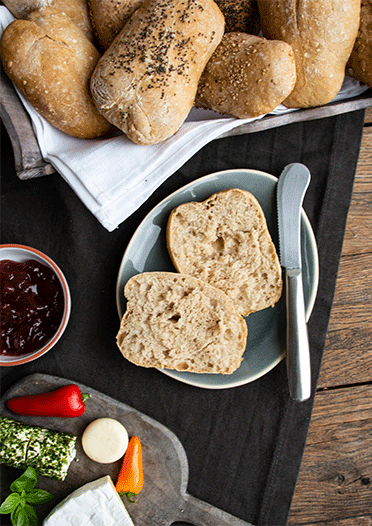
x=33 y=519
x=25 y=482
x=38 y=496
x=19 y=516
x=10 y=503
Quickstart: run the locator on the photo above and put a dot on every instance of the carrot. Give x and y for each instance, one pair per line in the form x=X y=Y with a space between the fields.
x=130 y=479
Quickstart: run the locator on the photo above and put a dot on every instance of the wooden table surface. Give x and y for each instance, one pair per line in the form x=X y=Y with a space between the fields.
x=334 y=487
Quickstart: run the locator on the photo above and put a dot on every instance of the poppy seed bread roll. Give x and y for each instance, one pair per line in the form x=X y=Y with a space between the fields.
x=178 y=322
x=225 y=241
x=146 y=82
x=322 y=34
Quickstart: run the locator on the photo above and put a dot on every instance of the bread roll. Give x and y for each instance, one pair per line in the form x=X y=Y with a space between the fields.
x=109 y=17
x=225 y=241
x=179 y=322
x=322 y=34
x=360 y=62
x=240 y=16
x=50 y=61
x=146 y=82
x=77 y=10
x=247 y=76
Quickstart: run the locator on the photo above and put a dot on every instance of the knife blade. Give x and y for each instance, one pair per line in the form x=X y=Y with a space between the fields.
x=292 y=185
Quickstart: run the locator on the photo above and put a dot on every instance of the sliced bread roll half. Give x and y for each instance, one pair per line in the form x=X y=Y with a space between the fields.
x=225 y=241
x=178 y=322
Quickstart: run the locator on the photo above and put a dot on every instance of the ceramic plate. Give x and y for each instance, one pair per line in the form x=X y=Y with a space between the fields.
x=147 y=251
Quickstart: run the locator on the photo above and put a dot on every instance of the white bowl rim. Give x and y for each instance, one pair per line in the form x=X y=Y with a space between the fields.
x=66 y=314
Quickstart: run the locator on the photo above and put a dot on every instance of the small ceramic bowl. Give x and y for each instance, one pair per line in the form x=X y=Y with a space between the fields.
x=22 y=253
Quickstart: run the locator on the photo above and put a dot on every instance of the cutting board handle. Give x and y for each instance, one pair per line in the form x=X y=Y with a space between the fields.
x=200 y=513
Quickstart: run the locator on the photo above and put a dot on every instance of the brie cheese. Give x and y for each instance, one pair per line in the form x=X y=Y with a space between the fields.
x=95 y=504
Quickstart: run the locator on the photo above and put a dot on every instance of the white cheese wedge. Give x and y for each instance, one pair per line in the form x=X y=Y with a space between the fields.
x=95 y=504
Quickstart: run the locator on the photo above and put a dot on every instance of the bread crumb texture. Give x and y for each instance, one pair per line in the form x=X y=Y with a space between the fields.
x=225 y=242
x=179 y=322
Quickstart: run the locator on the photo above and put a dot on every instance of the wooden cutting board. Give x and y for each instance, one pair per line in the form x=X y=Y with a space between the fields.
x=164 y=498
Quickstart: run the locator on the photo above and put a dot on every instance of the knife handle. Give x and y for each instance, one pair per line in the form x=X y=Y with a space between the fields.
x=298 y=353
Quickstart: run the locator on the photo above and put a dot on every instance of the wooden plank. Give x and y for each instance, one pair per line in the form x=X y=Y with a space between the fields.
x=350 y=521
x=335 y=481
x=369 y=115
x=358 y=232
x=347 y=357
x=363 y=174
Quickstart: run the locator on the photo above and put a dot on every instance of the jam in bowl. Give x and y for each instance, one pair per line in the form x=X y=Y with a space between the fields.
x=34 y=306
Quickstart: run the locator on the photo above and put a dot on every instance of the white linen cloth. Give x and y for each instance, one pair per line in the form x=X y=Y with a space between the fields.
x=113 y=176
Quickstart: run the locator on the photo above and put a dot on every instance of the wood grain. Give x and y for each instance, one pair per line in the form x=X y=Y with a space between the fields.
x=368 y=118
x=352 y=521
x=336 y=472
x=334 y=487
x=348 y=352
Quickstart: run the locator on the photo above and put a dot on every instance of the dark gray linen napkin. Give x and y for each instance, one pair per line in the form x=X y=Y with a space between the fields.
x=244 y=445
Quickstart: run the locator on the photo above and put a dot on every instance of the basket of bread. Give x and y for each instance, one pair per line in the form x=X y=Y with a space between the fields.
x=90 y=66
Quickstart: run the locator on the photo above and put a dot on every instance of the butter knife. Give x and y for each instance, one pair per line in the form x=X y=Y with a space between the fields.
x=291 y=189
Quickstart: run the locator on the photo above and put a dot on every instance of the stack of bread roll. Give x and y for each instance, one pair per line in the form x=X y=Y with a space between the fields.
x=140 y=65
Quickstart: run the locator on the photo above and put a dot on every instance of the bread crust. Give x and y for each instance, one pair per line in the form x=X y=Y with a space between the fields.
x=247 y=76
x=178 y=322
x=50 y=61
x=322 y=34
x=225 y=241
x=146 y=82
x=360 y=62
x=77 y=10
x=109 y=17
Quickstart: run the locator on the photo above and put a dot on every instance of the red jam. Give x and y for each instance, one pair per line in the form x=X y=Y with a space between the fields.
x=32 y=305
